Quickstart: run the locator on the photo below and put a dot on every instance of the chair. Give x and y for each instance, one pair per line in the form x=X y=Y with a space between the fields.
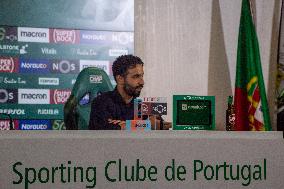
x=90 y=82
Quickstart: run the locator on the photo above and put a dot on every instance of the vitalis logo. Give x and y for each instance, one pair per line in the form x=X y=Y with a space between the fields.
x=64 y=36
x=33 y=96
x=60 y=96
x=8 y=96
x=8 y=64
x=51 y=51
x=65 y=66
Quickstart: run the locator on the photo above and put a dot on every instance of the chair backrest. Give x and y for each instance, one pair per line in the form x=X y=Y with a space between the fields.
x=90 y=82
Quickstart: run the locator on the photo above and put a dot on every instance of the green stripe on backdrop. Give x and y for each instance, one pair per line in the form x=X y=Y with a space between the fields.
x=74 y=14
x=33 y=111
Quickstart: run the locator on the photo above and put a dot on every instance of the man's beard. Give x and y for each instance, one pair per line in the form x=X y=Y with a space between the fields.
x=132 y=91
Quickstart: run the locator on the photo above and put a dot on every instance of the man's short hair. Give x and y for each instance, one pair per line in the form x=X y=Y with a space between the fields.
x=123 y=63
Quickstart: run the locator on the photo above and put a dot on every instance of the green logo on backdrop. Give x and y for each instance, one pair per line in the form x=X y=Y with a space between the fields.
x=2 y=33
x=58 y=125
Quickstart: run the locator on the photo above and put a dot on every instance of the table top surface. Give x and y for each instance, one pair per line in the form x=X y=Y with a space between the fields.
x=141 y=135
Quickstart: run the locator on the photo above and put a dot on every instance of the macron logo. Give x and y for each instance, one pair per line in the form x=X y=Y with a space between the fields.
x=39 y=35
x=46 y=50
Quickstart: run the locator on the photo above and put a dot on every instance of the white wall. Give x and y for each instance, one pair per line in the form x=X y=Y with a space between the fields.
x=189 y=47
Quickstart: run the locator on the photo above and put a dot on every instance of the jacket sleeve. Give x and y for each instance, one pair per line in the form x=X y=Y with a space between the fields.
x=101 y=111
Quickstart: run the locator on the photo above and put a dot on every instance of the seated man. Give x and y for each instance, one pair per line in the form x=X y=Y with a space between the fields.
x=111 y=109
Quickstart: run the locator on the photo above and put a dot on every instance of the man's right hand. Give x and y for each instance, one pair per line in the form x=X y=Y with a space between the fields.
x=122 y=124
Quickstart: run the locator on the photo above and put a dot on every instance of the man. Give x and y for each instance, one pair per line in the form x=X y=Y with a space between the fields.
x=111 y=109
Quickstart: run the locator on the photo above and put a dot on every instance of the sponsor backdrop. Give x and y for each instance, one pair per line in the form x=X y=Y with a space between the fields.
x=39 y=65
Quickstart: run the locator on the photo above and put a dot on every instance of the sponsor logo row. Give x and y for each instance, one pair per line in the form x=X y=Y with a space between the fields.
x=8 y=80
x=38 y=111
x=39 y=49
x=60 y=81
x=34 y=96
x=63 y=36
x=33 y=124
x=15 y=65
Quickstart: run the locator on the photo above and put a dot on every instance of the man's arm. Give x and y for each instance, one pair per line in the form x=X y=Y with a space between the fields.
x=101 y=114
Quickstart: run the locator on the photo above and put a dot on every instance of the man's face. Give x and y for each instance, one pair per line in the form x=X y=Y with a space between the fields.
x=133 y=81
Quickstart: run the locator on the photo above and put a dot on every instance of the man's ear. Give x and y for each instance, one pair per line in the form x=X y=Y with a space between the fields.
x=119 y=79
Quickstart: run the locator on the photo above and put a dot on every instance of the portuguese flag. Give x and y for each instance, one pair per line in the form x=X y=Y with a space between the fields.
x=250 y=101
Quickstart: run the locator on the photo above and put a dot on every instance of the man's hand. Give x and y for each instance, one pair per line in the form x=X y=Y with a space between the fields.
x=122 y=124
